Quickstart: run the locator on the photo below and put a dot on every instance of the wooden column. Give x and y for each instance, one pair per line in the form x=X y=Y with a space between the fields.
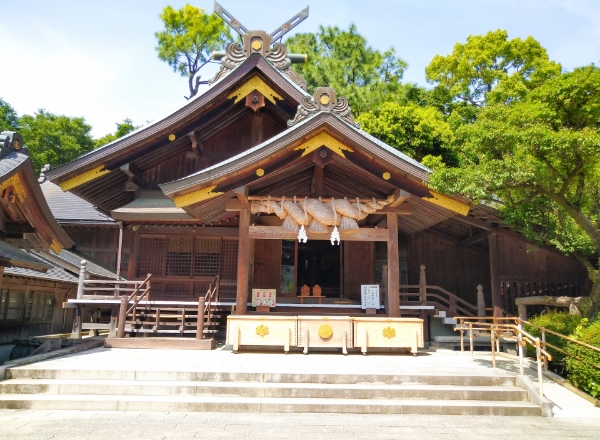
x=495 y=280
x=243 y=262
x=393 y=285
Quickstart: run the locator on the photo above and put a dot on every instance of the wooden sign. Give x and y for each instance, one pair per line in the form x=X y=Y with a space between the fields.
x=369 y=296
x=264 y=297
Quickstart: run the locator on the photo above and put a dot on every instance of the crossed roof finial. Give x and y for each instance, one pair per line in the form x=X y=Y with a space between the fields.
x=276 y=35
x=259 y=42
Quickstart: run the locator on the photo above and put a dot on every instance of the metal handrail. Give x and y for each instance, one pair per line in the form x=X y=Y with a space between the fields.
x=474 y=324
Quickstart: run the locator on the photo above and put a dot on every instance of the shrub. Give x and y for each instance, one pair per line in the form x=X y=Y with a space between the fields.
x=559 y=322
x=584 y=375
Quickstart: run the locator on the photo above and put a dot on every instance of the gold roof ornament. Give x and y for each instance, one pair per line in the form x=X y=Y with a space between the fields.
x=448 y=203
x=255 y=83
x=196 y=197
x=324 y=139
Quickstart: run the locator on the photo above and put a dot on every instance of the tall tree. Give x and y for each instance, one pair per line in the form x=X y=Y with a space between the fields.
x=123 y=128
x=491 y=68
x=54 y=139
x=8 y=117
x=415 y=130
x=188 y=40
x=539 y=161
x=344 y=60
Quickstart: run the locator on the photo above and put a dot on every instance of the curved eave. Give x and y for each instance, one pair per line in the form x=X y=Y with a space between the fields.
x=191 y=110
x=285 y=143
x=36 y=207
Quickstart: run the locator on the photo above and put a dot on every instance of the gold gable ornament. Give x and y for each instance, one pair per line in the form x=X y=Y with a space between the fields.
x=324 y=139
x=255 y=83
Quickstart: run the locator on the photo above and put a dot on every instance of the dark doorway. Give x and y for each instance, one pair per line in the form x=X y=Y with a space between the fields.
x=319 y=263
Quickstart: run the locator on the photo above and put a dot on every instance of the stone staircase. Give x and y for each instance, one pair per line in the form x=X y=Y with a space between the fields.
x=121 y=390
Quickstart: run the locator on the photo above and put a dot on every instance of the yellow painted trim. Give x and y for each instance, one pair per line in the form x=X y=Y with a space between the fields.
x=196 y=196
x=83 y=178
x=15 y=182
x=55 y=247
x=255 y=83
x=448 y=203
x=324 y=139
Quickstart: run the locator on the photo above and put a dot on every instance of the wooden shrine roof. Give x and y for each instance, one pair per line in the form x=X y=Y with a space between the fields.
x=98 y=177
x=28 y=221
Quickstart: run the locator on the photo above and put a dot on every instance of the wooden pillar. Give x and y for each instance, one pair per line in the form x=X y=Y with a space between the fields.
x=393 y=284
x=495 y=279
x=243 y=262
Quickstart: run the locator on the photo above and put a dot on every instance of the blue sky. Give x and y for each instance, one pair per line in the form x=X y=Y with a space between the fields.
x=97 y=59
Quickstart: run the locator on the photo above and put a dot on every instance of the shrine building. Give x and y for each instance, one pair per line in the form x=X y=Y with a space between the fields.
x=267 y=186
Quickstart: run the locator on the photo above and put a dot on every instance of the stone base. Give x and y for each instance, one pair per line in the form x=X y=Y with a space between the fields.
x=161 y=343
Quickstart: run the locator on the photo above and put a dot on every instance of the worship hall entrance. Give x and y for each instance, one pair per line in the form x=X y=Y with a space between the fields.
x=319 y=263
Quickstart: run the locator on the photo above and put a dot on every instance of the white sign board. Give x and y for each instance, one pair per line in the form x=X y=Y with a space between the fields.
x=369 y=296
x=264 y=297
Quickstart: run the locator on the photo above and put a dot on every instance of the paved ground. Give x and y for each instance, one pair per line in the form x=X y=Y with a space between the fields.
x=574 y=416
x=20 y=425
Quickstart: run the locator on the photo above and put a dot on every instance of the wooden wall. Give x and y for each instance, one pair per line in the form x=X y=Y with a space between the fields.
x=61 y=320
x=267 y=264
x=523 y=262
x=456 y=269
x=101 y=243
x=359 y=266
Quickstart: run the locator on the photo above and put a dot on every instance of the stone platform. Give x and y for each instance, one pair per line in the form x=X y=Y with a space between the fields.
x=434 y=382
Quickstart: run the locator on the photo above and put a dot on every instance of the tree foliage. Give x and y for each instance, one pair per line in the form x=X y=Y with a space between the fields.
x=414 y=130
x=123 y=128
x=188 y=40
x=343 y=60
x=491 y=68
x=54 y=139
x=541 y=158
x=9 y=121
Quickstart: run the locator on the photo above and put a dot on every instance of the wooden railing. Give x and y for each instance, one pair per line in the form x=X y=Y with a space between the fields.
x=439 y=297
x=168 y=318
x=512 y=328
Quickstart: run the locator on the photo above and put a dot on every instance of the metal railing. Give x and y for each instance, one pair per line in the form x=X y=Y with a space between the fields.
x=512 y=328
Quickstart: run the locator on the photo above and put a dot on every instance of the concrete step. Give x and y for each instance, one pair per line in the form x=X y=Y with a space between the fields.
x=294 y=378
x=101 y=402
x=258 y=389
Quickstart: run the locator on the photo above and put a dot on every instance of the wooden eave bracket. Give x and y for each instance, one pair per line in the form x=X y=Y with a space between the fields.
x=242 y=194
x=134 y=177
x=197 y=147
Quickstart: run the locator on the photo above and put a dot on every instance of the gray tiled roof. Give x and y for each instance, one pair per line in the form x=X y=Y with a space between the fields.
x=11 y=161
x=66 y=207
x=92 y=267
x=53 y=274
x=18 y=257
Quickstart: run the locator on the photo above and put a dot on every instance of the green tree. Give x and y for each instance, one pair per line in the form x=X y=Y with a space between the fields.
x=539 y=161
x=491 y=68
x=9 y=121
x=415 y=130
x=123 y=128
x=344 y=60
x=188 y=40
x=54 y=139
